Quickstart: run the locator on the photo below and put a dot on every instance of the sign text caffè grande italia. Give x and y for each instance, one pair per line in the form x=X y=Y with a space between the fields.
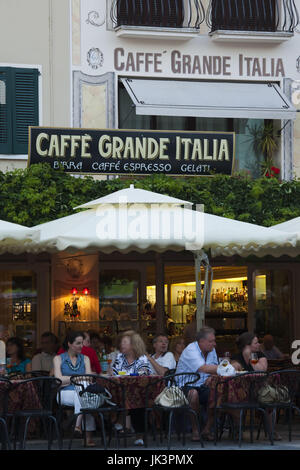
x=132 y=151
x=204 y=65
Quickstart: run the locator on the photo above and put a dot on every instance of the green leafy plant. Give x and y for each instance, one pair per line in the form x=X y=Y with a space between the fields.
x=39 y=194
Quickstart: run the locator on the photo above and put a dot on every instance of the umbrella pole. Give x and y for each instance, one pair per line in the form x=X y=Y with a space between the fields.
x=202 y=298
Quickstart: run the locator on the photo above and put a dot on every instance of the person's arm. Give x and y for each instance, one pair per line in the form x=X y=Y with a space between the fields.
x=28 y=367
x=87 y=364
x=261 y=365
x=57 y=371
x=208 y=369
x=236 y=365
x=160 y=370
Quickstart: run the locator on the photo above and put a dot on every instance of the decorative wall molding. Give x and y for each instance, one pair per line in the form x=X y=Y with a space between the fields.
x=95 y=58
x=80 y=79
x=288 y=137
x=95 y=19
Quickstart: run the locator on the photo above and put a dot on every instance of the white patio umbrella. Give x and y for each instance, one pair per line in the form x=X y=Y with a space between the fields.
x=290 y=226
x=15 y=238
x=137 y=220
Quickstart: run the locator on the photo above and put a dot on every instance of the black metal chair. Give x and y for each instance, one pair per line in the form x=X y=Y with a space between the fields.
x=90 y=404
x=46 y=389
x=177 y=406
x=37 y=373
x=250 y=382
x=5 y=386
x=290 y=379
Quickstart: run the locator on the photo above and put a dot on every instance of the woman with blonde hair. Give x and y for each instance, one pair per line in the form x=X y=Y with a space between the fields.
x=132 y=360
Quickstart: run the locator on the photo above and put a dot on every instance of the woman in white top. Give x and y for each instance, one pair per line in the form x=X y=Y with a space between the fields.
x=161 y=361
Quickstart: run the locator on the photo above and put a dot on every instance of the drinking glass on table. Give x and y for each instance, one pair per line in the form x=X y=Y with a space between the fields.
x=225 y=359
x=254 y=358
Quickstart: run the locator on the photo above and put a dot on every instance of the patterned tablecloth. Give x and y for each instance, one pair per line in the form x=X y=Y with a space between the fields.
x=22 y=396
x=230 y=391
x=135 y=389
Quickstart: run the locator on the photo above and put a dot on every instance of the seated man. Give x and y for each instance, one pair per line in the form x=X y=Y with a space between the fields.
x=200 y=356
x=161 y=361
x=44 y=360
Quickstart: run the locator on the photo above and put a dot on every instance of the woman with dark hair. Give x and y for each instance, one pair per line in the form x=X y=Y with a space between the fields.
x=16 y=361
x=248 y=346
x=72 y=362
x=250 y=358
x=86 y=351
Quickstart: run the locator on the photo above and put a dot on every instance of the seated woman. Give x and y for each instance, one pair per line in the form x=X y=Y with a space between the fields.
x=17 y=363
x=248 y=344
x=177 y=346
x=69 y=363
x=132 y=359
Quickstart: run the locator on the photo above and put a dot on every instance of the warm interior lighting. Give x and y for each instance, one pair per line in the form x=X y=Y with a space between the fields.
x=74 y=291
x=86 y=291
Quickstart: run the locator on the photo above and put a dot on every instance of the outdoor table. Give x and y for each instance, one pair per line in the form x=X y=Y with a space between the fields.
x=135 y=389
x=23 y=397
x=228 y=391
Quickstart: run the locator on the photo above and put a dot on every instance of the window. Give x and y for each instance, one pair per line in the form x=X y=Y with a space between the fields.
x=248 y=156
x=273 y=306
x=18 y=108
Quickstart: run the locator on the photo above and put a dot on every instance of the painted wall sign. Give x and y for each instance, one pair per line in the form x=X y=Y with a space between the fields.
x=103 y=151
x=199 y=65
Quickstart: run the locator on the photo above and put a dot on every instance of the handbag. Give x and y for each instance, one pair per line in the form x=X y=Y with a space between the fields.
x=93 y=396
x=171 y=397
x=225 y=369
x=269 y=394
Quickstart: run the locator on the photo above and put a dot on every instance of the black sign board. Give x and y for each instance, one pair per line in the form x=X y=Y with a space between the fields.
x=140 y=152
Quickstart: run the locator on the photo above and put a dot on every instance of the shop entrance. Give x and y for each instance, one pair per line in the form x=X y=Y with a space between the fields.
x=229 y=302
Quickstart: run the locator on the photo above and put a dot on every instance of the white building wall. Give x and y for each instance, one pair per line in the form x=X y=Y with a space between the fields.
x=100 y=57
x=36 y=34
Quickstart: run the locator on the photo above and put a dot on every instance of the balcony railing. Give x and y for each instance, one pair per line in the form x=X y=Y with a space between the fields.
x=157 y=13
x=253 y=15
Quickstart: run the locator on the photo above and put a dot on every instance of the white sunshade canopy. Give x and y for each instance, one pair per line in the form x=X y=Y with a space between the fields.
x=15 y=238
x=209 y=99
x=291 y=226
x=134 y=195
x=144 y=226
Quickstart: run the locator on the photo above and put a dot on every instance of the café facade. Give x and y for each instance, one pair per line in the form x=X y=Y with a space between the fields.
x=173 y=88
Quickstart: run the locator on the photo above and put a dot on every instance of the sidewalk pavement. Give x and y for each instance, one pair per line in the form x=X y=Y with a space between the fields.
x=224 y=444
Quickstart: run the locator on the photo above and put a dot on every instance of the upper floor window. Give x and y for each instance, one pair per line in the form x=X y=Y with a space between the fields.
x=19 y=108
x=253 y=15
x=157 y=13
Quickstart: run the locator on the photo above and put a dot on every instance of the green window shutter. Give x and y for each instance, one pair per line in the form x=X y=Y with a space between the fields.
x=5 y=111
x=26 y=107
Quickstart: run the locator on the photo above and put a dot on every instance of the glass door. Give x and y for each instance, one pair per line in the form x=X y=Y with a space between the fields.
x=272 y=305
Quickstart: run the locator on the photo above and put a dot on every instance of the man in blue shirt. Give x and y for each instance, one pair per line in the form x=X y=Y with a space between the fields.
x=200 y=356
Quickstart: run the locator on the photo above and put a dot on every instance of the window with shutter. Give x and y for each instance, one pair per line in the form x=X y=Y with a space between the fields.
x=19 y=93
x=5 y=112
